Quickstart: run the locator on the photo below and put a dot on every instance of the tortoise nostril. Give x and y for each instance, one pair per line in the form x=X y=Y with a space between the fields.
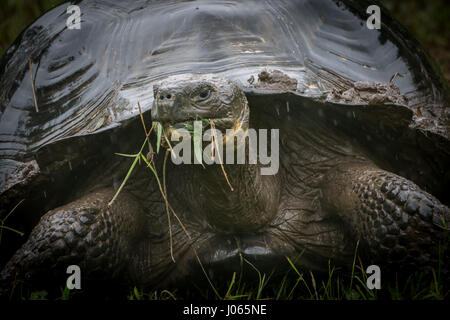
x=165 y=95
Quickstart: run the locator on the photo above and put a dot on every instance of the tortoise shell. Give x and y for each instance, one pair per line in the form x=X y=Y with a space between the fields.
x=68 y=94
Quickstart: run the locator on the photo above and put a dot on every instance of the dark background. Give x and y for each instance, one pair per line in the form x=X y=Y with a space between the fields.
x=427 y=20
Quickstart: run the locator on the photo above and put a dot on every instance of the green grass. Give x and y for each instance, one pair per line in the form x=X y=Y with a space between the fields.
x=298 y=285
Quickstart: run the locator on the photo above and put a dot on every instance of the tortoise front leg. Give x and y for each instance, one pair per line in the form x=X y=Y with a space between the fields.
x=87 y=232
x=398 y=222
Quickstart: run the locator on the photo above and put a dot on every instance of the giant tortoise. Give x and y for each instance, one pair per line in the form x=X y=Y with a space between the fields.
x=363 y=142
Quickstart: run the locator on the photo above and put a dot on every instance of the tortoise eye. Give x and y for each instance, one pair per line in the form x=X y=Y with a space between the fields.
x=204 y=94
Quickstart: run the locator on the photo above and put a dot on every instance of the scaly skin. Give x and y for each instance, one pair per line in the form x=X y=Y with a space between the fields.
x=87 y=233
x=398 y=223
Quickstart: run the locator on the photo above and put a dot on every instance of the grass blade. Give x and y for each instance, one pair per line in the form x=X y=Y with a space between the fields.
x=158 y=136
x=138 y=156
x=127 y=155
x=11 y=229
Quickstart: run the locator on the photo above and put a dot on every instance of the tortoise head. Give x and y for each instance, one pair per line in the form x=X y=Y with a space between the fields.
x=182 y=99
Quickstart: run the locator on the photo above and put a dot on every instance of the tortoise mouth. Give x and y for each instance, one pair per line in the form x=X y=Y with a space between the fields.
x=222 y=126
x=221 y=123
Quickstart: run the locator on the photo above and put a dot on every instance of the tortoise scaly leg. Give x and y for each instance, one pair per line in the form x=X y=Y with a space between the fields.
x=398 y=223
x=86 y=232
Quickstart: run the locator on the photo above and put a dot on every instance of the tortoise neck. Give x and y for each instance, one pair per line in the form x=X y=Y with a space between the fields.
x=241 y=199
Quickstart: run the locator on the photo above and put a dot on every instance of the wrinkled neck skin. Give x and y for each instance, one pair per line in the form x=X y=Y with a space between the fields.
x=260 y=202
x=207 y=200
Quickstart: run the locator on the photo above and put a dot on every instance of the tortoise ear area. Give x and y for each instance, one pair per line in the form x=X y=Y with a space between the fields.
x=155 y=90
x=227 y=96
